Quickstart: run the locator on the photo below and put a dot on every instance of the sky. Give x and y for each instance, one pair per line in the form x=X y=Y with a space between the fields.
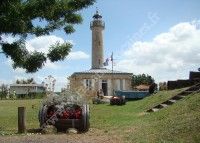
x=159 y=38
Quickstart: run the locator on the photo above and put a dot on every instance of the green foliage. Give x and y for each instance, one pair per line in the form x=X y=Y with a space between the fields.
x=16 y=18
x=23 y=81
x=3 y=90
x=30 y=80
x=31 y=95
x=17 y=52
x=142 y=79
x=34 y=61
x=69 y=29
x=59 y=51
x=17 y=81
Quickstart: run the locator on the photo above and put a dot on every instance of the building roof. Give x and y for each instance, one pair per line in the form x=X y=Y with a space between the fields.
x=142 y=87
x=101 y=71
x=97 y=15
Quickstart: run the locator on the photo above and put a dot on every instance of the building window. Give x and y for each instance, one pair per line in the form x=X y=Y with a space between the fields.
x=88 y=84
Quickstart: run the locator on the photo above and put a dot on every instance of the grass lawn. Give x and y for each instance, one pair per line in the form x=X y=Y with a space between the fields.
x=177 y=123
x=8 y=114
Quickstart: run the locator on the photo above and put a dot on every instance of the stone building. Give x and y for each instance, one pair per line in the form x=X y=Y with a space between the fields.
x=98 y=77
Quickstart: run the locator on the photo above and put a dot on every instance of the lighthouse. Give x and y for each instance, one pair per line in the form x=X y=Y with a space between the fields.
x=97 y=26
x=98 y=78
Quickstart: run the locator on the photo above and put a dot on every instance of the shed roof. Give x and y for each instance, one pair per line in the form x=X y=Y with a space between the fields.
x=142 y=87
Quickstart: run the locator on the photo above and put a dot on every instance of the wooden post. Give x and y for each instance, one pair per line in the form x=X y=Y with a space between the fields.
x=21 y=120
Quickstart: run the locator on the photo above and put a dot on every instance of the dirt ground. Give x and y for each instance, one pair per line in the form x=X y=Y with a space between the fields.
x=93 y=136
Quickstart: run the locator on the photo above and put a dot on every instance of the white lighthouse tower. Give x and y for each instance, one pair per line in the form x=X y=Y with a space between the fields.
x=99 y=78
x=97 y=26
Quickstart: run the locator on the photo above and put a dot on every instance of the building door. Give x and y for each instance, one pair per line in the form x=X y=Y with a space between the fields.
x=105 y=87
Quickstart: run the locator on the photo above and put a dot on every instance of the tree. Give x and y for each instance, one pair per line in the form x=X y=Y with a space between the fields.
x=31 y=80
x=152 y=88
x=27 y=81
x=162 y=86
x=3 y=89
x=16 y=18
x=17 y=81
x=49 y=83
x=142 y=79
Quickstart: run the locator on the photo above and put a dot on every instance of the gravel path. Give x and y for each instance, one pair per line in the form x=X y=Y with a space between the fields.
x=90 y=137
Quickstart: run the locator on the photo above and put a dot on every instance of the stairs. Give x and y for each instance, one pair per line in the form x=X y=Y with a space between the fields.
x=174 y=99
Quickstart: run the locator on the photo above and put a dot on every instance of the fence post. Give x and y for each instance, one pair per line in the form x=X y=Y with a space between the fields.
x=21 y=120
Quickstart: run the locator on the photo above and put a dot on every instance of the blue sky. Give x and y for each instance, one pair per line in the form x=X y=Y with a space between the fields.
x=156 y=37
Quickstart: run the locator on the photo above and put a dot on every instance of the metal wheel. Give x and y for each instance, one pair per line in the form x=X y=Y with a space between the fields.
x=85 y=124
x=42 y=115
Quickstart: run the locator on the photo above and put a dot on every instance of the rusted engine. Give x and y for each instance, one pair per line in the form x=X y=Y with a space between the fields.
x=65 y=112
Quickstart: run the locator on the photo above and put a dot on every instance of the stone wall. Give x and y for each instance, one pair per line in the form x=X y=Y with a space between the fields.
x=77 y=83
x=194 y=77
x=179 y=84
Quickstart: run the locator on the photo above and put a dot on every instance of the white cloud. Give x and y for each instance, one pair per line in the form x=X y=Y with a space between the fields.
x=9 y=62
x=9 y=38
x=71 y=42
x=48 y=65
x=77 y=55
x=169 y=55
x=43 y=43
x=20 y=70
x=40 y=44
x=51 y=65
